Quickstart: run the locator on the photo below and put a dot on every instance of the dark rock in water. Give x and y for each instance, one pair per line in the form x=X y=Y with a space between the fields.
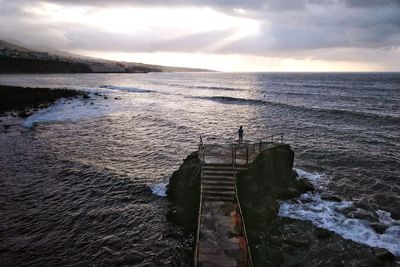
x=181 y=216
x=289 y=193
x=23 y=100
x=184 y=190
x=105 y=97
x=24 y=114
x=331 y=198
x=6 y=126
x=323 y=233
x=305 y=185
x=270 y=174
x=86 y=96
x=379 y=228
x=362 y=215
x=395 y=215
x=294 y=173
x=269 y=178
x=383 y=254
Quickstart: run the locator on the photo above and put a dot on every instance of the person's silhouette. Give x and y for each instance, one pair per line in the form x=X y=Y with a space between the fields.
x=240 y=132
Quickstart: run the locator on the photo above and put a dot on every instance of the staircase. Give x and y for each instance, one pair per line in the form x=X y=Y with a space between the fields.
x=221 y=238
x=218 y=182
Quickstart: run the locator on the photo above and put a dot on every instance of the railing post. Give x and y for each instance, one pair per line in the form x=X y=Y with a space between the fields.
x=235 y=155
x=233 y=161
x=247 y=155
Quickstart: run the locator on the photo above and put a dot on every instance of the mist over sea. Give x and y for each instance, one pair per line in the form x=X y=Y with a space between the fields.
x=83 y=184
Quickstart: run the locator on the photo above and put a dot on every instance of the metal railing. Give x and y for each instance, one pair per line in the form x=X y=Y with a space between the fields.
x=251 y=148
x=275 y=138
x=202 y=150
x=255 y=147
x=249 y=258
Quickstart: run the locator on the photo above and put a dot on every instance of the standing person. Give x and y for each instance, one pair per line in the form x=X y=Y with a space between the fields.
x=240 y=132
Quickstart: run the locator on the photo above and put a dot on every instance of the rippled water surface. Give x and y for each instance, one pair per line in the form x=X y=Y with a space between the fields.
x=76 y=185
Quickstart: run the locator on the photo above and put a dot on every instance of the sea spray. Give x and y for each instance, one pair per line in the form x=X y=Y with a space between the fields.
x=159 y=189
x=330 y=215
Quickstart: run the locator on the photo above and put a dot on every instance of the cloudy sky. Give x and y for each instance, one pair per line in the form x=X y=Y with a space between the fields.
x=227 y=35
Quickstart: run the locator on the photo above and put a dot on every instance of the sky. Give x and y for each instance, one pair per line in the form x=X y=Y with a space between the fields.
x=224 y=35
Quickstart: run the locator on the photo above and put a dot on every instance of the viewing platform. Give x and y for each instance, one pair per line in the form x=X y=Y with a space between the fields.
x=221 y=234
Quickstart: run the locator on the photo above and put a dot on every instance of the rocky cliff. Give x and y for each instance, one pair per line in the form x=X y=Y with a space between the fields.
x=184 y=191
x=269 y=178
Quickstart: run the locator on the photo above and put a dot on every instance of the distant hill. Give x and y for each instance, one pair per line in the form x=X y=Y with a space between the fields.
x=19 y=58
x=14 y=46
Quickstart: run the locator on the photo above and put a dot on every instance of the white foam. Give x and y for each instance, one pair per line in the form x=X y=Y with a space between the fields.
x=159 y=189
x=314 y=177
x=319 y=180
x=67 y=110
x=385 y=218
x=127 y=89
x=329 y=215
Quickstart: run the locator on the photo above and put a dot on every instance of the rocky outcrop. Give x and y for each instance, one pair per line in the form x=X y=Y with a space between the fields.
x=274 y=240
x=184 y=192
x=23 y=100
x=277 y=241
x=269 y=178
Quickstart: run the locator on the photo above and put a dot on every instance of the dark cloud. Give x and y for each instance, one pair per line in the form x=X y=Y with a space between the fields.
x=290 y=28
x=372 y=3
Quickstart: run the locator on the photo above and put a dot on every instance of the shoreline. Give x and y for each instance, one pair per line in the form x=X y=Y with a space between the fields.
x=23 y=101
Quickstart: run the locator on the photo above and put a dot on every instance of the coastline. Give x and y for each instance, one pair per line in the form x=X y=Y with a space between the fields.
x=23 y=101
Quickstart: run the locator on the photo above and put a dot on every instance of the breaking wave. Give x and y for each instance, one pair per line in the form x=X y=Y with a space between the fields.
x=330 y=215
x=127 y=89
x=232 y=100
x=159 y=189
x=335 y=112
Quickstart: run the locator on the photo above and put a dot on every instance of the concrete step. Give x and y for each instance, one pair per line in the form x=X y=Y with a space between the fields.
x=218 y=192
x=218 y=178
x=218 y=165
x=217 y=173
x=218 y=183
x=219 y=187
x=217 y=170
x=226 y=168
x=218 y=198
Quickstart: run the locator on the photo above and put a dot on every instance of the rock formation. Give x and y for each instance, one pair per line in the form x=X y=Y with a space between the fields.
x=274 y=241
x=184 y=191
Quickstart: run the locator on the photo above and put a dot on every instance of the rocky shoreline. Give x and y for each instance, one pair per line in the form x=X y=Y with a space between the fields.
x=274 y=240
x=24 y=101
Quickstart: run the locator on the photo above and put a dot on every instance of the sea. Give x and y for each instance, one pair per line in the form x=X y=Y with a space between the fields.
x=84 y=182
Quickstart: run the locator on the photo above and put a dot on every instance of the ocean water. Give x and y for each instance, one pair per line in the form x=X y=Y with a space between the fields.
x=86 y=182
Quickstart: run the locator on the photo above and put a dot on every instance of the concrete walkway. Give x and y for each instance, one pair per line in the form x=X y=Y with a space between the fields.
x=221 y=241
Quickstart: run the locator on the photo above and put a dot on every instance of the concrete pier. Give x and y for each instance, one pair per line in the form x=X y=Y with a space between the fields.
x=221 y=239
x=221 y=234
